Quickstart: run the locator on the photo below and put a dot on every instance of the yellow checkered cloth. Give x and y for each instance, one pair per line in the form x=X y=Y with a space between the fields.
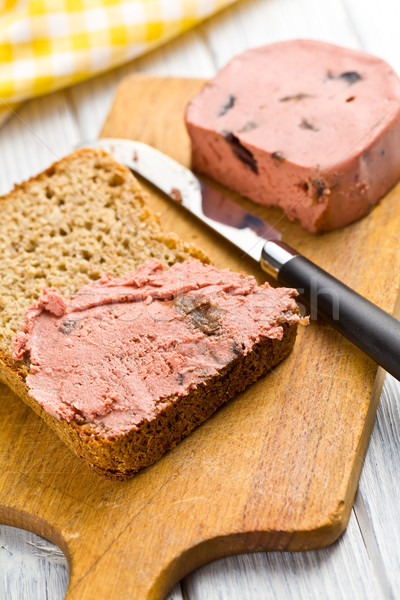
x=49 y=44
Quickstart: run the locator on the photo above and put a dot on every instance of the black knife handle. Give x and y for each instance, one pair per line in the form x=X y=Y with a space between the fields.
x=370 y=328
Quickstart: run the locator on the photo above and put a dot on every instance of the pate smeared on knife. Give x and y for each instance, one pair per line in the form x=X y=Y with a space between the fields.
x=305 y=125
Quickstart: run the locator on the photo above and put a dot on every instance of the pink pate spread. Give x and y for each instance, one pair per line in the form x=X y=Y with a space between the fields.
x=305 y=125
x=116 y=350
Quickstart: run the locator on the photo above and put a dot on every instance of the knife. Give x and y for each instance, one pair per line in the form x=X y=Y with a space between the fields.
x=367 y=326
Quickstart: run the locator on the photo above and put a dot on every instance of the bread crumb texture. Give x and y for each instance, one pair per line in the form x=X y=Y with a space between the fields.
x=83 y=216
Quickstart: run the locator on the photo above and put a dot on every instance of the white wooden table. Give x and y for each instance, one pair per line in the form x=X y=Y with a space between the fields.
x=365 y=562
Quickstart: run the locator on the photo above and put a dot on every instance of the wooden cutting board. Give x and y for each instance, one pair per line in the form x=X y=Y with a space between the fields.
x=276 y=469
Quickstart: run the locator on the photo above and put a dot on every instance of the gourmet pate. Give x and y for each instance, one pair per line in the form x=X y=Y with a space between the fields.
x=114 y=352
x=305 y=125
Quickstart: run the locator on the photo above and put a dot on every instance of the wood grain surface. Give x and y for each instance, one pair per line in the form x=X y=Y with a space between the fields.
x=275 y=469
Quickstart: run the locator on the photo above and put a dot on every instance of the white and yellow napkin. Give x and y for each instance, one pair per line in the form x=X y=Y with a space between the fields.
x=49 y=44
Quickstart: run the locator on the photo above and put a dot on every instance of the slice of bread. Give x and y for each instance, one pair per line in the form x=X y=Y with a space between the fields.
x=84 y=216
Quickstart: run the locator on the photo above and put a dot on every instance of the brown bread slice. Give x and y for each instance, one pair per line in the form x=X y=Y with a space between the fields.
x=84 y=216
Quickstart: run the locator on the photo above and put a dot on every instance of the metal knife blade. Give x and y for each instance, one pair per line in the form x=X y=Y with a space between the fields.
x=243 y=229
x=374 y=331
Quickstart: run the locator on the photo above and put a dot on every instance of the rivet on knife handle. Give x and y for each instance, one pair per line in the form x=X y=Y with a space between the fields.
x=367 y=326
